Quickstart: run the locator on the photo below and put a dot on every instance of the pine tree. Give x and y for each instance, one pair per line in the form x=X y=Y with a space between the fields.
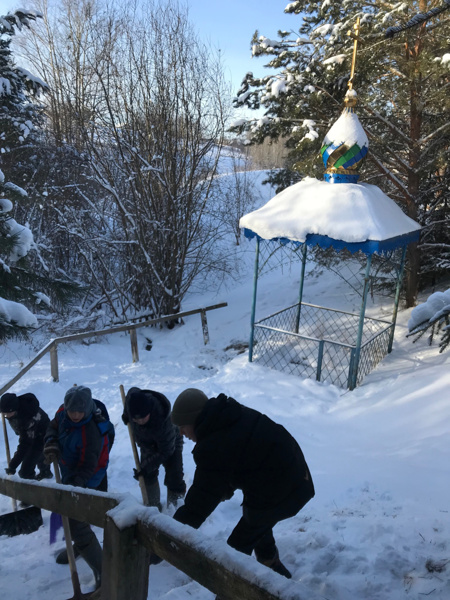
x=403 y=102
x=20 y=282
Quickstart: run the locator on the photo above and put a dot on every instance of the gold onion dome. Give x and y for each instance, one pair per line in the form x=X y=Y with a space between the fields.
x=345 y=146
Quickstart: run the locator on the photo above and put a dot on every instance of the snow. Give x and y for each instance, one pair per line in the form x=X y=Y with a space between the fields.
x=378 y=527
x=24 y=241
x=13 y=312
x=33 y=78
x=429 y=309
x=5 y=87
x=278 y=86
x=347 y=129
x=335 y=60
x=351 y=212
x=5 y=205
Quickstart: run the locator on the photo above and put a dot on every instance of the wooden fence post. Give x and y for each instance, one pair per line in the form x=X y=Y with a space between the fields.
x=54 y=362
x=134 y=345
x=204 y=327
x=125 y=567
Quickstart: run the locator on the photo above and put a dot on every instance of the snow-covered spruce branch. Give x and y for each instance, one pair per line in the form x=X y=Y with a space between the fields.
x=392 y=178
x=391 y=126
x=418 y=19
x=429 y=137
x=395 y=156
x=437 y=244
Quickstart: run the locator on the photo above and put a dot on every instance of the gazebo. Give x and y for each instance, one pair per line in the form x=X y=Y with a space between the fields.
x=338 y=213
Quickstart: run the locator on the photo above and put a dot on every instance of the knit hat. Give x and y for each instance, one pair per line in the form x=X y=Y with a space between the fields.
x=139 y=404
x=79 y=399
x=9 y=403
x=188 y=406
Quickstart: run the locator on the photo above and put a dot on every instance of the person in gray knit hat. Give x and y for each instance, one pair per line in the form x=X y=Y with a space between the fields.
x=79 y=438
x=79 y=399
x=237 y=447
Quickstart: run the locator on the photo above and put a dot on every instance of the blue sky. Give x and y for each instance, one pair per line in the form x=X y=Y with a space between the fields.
x=228 y=26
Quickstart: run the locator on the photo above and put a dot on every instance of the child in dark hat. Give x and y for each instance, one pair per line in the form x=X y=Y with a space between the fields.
x=29 y=422
x=160 y=443
x=79 y=437
x=237 y=447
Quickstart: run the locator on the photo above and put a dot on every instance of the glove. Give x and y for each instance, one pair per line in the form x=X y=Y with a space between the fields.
x=51 y=451
x=10 y=471
x=137 y=474
x=154 y=559
x=75 y=480
x=125 y=419
x=229 y=493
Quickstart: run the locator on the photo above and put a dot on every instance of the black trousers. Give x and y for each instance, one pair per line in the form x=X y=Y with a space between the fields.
x=254 y=532
x=34 y=456
x=173 y=466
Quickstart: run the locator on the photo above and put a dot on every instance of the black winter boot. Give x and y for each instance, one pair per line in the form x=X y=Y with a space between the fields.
x=63 y=559
x=276 y=565
x=92 y=554
x=44 y=474
x=173 y=497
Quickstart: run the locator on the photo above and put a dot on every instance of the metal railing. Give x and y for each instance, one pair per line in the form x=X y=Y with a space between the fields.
x=319 y=343
x=52 y=346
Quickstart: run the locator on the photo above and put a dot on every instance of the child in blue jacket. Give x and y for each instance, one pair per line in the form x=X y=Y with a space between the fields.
x=79 y=437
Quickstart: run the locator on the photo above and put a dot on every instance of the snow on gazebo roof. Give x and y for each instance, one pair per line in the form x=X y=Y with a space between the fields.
x=338 y=212
x=358 y=216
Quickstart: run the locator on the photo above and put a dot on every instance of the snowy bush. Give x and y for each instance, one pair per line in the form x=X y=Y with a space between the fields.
x=433 y=316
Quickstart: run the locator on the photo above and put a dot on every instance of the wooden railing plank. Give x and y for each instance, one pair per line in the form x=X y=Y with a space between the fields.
x=125 y=564
x=52 y=345
x=131 y=531
x=89 y=505
x=27 y=367
x=209 y=572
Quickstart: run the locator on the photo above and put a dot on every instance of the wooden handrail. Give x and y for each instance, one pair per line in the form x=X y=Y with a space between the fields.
x=132 y=530
x=76 y=503
x=27 y=367
x=53 y=344
x=229 y=581
x=130 y=326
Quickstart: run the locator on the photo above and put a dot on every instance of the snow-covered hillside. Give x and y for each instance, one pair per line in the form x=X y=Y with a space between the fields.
x=378 y=528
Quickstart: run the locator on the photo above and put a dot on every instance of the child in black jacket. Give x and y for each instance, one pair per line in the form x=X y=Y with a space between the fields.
x=160 y=443
x=29 y=422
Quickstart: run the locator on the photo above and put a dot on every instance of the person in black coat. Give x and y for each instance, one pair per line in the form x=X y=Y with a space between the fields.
x=240 y=448
x=29 y=422
x=160 y=443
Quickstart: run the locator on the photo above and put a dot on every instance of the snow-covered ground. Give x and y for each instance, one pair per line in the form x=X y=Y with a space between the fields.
x=378 y=528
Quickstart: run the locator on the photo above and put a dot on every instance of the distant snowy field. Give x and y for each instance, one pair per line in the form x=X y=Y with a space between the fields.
x=378 y=528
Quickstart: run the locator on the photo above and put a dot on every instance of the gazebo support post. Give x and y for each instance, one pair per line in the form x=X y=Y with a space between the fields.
x=255 y=288
x=300 y=293
x=401 y=271
x=354 y=362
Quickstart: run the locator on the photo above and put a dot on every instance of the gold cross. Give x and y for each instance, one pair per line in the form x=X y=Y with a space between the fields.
x=356 y=38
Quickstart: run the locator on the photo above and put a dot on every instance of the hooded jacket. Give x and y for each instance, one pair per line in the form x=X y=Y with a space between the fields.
x=158 y=438
x=240 y=448
x=30 y=424
x=84 y=447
